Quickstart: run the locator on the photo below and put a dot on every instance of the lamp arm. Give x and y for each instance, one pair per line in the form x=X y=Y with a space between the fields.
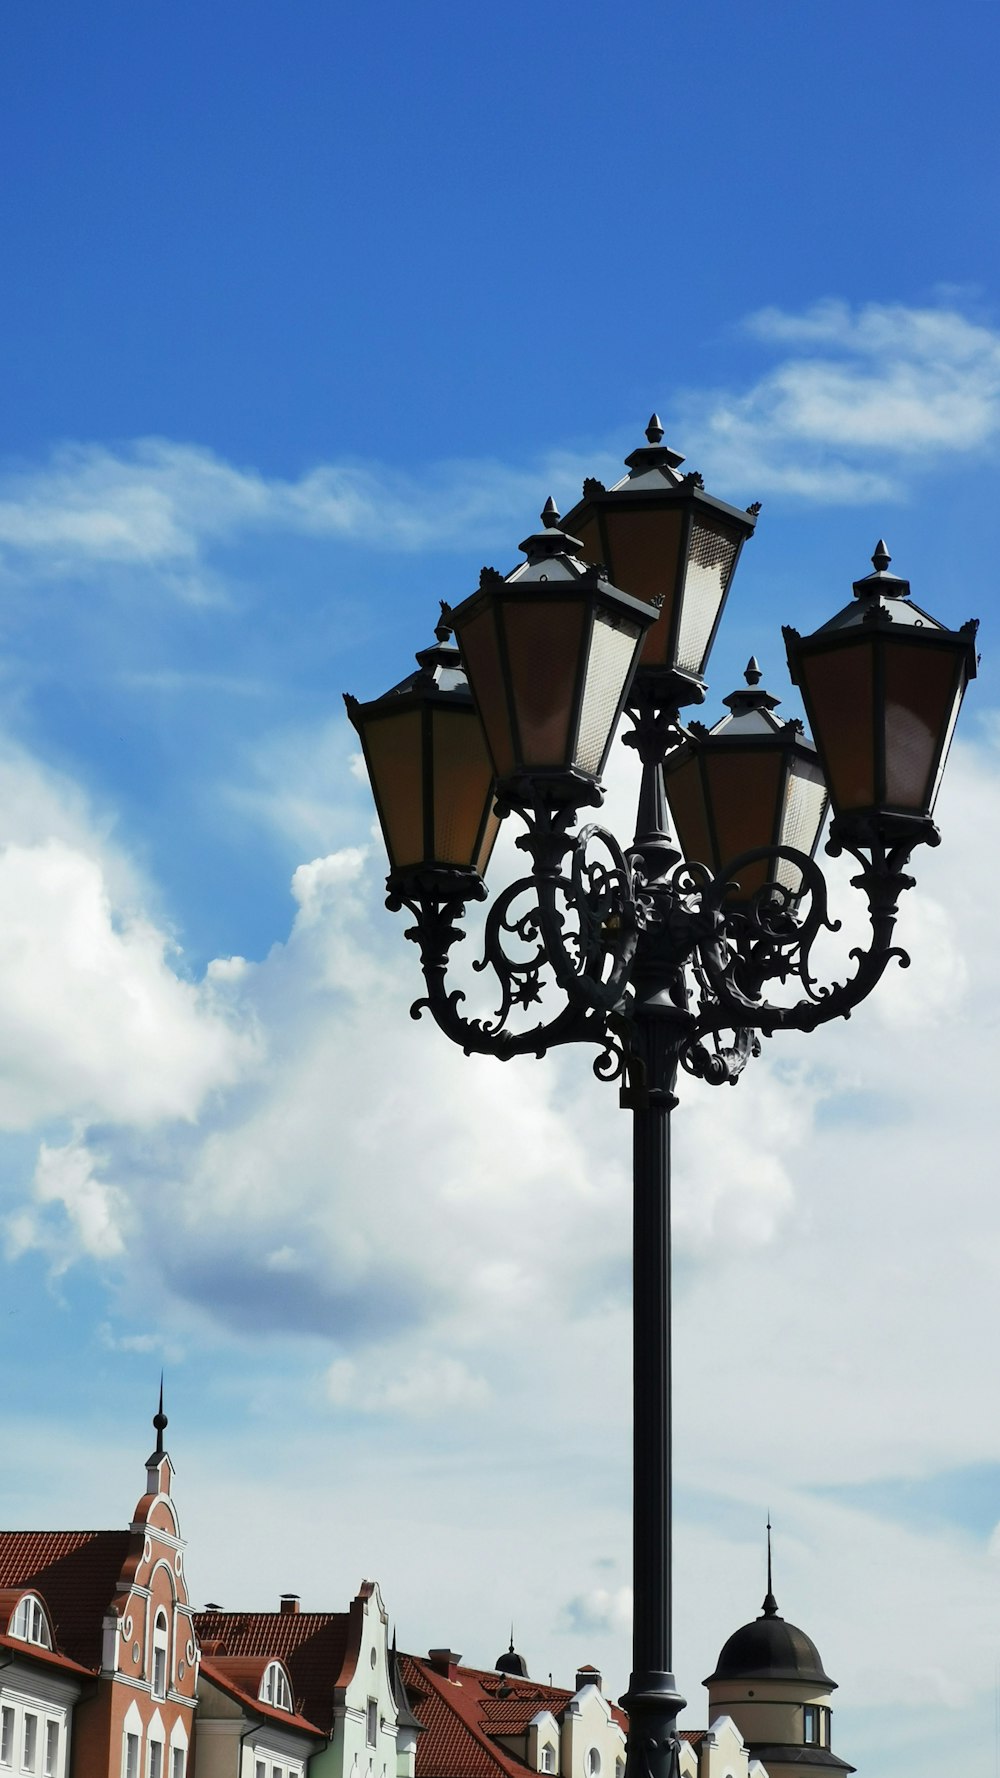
x=435 y=933
x=770 y=939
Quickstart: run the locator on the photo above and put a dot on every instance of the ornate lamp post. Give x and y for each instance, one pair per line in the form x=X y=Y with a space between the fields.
x=659 y=955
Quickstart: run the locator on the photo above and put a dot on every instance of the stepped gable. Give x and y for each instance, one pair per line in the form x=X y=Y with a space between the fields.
x=313 y=1645
x=77 y=1573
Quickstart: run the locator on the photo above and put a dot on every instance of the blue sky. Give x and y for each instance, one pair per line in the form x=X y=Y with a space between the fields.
x=304 y=312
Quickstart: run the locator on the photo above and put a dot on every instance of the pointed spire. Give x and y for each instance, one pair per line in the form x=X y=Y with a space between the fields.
x=550 y=515
x=511 y=1648
x=881 y=557
x=654 y=431
x=770 y=1607
x=160 y=1423
x=753 y=673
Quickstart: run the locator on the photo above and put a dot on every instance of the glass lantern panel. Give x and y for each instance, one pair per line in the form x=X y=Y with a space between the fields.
x=711 y=554
x=491 y=827
x=744 y=791
x=801 y=819
x=477 y=640
x=395 y=763
x=612 y=649
x=643 y=547
x=544 y=639
x=463 y=780
x=921 y=698
x=686 y=797
x=837 y=685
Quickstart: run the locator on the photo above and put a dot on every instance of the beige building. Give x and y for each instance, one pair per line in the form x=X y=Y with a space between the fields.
x=769 y=1684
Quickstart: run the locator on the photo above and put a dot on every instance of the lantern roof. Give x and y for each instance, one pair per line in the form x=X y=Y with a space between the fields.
x=882 y=598
x=552 y=553
x=655 y=469
x=439 y=668
x=751 y=713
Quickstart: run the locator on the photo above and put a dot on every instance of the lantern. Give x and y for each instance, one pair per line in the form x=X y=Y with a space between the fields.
x=550 y=651
x=661 y=537
x=751 y=781
x=882 y=683
x=430 y=771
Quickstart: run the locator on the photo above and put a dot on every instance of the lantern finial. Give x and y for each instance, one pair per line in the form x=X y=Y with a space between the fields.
x=442 y=629
x=550 y=515
x=654 y=431
x=753 y=673
x=881 y=557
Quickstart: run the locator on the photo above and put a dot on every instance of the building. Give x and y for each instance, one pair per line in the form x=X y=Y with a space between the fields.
x=503 y=1724
x=107 y=1672
x=769 y=1681
x=103 y=1665
x=287 y=1692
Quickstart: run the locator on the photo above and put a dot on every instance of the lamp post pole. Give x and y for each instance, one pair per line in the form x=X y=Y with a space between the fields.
x=661 y=956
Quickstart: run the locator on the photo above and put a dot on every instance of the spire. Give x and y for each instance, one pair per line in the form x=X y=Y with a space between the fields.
x=770 y=1607
x=160 y=1423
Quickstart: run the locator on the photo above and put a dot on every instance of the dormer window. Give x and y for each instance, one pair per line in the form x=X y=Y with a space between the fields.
x=160 y=1655
x=548 y=1757
x=29 y=1623
x=274 y=1687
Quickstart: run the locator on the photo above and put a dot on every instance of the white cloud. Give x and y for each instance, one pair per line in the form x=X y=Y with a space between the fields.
x=860 y=402
x=866 y=398
x=94 y=1020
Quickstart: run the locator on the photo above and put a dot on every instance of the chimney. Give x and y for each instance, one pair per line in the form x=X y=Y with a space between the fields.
x=444 y=1661
x=587 y=1675
x=289 y=1604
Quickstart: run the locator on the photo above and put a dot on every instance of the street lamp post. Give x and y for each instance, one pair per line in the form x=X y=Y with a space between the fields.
x=663 y=954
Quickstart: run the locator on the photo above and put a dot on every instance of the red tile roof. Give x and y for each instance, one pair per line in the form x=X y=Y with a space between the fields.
x=77 y=1574
x=312 y=1644
x=48 y=1657
x=240 y=1679
x=460 y=1716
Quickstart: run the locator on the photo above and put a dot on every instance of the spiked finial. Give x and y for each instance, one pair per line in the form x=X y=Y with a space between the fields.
x=550 y=515
x=654 y=431
x=881 y=557
x=753 y=673
x=511 y=1649
x=160 y=1422
x=442 y=629
x=770 y=1602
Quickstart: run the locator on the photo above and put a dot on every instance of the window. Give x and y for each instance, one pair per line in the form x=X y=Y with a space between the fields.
x=810 y=1725
x=594 y=1763
x=29 y=1625
x=371 y=1722
x=30 y=1741
x=131 y=1756
x=156 y=1759
x=548 y=1757
x=177 y=1763
x=274 y=1687
x=6 y=1736
x=259 y=1769
x=51 y=1766
x=159 y=1660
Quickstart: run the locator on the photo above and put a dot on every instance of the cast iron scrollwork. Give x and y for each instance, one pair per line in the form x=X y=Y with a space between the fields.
x=591 y=935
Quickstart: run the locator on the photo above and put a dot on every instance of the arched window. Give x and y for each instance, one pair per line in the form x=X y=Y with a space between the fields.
x=274 y=1687
x=29 y=1623
x=594 y=1763
x=160 y=1636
